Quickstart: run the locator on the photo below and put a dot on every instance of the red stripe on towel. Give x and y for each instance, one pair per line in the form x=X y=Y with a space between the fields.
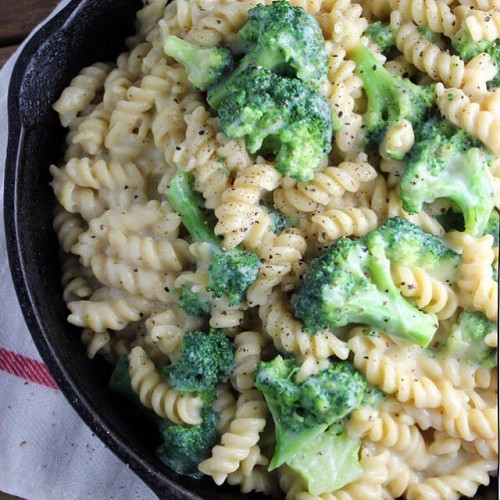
x=26 y=368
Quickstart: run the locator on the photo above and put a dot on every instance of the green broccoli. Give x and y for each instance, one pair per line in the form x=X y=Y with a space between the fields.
x=205 y=66
x=466 y=340
x=328 y=462
x=303 y=410
x=281 y=116
x=205 y=361
x=383 y=35
x=350 y=282
x=493 y=226
x=446 y=162
x=467 y=49
x=184 y=447
x=408 y=244
x=390 y=99
x=280 y=38
x=279 y=221
x=373 y=396
x=231 y=272
x=193 y=303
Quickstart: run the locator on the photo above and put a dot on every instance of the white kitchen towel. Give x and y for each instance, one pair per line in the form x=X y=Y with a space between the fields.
x=46 y=451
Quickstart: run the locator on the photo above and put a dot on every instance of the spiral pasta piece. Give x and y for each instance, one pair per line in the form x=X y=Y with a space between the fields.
x=219 y=25
x=483 y=25
x=248 y=346
x=115 y=273
x=430 y=294
x=394 y=432
x=464 y=480
x=91 y=187
x=237 y=443
x=92 y=130
x=166 y=329
x=209 y=155
x=95 y=342
x=481 y=4
x=225 y=407
x=258 y=480
x=75 y=280
x=398 y=139
x=369 y=358
x=287 y=333
x=349 y=221
x=344 y=23
x=68 y=227
x=473 y=423
x=113 y=313
x=477 y=287
x=81 y=91
x=460 y=373
x=278 y=253
x=468 y=115
x=429 y=58
x=327 y=184
x=435 y=14
x=345 y=87
x=240 y=218
x=156 y=394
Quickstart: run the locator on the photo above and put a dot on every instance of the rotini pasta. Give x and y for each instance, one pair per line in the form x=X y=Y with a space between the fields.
x=156 y=394
x=138 y=280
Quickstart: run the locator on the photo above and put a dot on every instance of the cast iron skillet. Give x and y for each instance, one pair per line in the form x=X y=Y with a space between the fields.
x=84 y=32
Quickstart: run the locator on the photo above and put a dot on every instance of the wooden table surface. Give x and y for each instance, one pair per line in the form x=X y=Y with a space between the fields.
x=17 y=19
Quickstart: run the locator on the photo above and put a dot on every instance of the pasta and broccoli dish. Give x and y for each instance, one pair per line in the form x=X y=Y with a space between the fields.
x=279 y=222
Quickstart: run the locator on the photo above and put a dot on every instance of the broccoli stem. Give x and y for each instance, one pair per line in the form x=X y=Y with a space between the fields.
x=184 y=200
x=402 y=319
x=184 y=52
x=378 y=84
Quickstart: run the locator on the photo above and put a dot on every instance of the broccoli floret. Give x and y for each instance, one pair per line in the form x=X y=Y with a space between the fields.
x=467 y=49
x=466 y=340
x=329 y=462
x=350 y=282
x=280 y=38
x=184 y=447
x=303 y=410
x=383 y=35
x=390 y=99
x=373 y=396
x=205 y=66
x=193 y=303
x=205 y=361
x=446 y=162
x=281 y=116
x=493 y=226
x=408 y=244
x=285 y=39
x=230 y=272
x=279 y=221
